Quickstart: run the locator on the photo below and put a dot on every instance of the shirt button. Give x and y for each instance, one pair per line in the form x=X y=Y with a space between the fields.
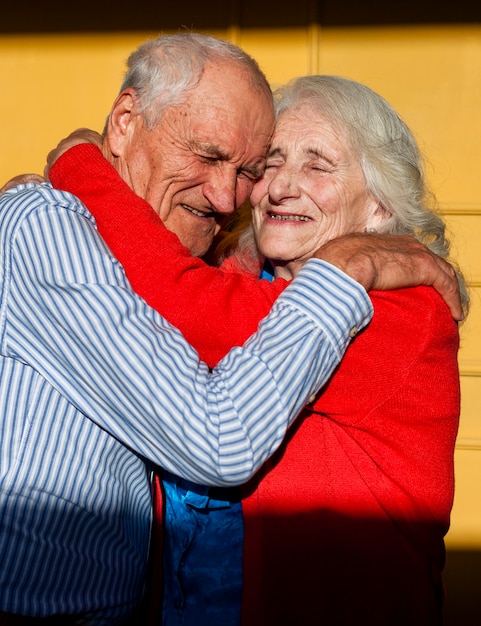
x=311 y=399
x=353 y=332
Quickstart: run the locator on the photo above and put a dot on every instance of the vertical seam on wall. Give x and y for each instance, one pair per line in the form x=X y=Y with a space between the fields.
x=313 y=39
x=234 y=31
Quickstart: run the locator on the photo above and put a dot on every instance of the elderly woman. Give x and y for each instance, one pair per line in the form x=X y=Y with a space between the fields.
x=346 y=523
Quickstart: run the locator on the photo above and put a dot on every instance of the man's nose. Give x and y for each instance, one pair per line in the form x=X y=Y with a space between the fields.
x=221 y=190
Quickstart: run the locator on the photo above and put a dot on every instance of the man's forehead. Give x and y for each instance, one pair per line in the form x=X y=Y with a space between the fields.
x=233 y=80
x=221 y=131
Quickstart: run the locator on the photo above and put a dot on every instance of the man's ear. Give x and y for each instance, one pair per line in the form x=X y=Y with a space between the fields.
x=121 y=122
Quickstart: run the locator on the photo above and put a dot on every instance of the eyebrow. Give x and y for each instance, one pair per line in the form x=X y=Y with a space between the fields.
x=214 y=151
x=316 y=153
x=275 y=152
x=319 y=154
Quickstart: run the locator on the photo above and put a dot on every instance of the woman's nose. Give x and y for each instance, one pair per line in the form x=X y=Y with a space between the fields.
x=283 y=184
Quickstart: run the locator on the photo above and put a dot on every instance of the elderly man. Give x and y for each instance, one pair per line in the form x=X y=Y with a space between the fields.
x=96 y=386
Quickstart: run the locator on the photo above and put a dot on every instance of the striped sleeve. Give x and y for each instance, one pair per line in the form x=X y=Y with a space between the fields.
x=69 y=312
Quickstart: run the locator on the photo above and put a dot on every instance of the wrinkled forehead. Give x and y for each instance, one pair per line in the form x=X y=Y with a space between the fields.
x=229 y=98
x=308 y=118
x=236 y=82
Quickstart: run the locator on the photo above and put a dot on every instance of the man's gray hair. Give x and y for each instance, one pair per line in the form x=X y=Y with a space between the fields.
x=164 y=70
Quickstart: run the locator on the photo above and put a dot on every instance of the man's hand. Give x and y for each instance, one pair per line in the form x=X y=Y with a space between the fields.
x=393 y=262
x=21 y=180
x=81 y=135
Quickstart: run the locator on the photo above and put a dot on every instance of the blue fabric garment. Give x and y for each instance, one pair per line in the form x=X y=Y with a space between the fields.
x=94 y=384
x=267 y=272
x=203 y=538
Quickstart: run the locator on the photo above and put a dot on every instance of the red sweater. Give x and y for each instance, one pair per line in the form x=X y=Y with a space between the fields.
x=345 y=524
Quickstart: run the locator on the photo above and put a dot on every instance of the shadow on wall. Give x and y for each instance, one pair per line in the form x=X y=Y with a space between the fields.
x=98 y=15
x=462 y=577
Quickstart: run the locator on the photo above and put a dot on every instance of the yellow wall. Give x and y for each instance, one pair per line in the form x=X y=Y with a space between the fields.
x=54 y=83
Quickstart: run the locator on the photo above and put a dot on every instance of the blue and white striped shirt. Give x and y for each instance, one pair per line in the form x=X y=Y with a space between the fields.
x=94 y=385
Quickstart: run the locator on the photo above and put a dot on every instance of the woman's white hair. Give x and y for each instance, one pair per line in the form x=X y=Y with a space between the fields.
x=388 y=153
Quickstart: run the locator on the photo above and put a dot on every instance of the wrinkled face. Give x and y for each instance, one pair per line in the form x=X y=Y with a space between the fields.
x=202 y=159
x=313 y=190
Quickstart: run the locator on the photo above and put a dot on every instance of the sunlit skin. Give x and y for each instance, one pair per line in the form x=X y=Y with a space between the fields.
x=313 y=190
x=200 y=162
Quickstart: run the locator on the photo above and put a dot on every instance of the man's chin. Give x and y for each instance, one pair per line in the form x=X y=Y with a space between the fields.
x=199 y=249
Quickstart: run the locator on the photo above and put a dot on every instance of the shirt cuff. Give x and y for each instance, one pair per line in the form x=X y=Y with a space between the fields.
x=330 y=298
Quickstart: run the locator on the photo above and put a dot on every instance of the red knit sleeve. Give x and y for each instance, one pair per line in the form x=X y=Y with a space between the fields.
x=214 y=309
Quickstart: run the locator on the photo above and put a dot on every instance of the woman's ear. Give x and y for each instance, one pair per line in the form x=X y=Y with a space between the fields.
x=377 y=217
x=120 y=122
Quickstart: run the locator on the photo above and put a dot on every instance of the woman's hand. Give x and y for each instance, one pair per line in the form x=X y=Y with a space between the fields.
x=21 y=180
x=81 y=135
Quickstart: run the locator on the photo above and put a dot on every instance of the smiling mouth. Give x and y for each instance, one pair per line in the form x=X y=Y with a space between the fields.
x=288 y=218
x=198 y=213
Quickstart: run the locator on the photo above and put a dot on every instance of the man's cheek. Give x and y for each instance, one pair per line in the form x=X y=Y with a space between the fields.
x=243 y=192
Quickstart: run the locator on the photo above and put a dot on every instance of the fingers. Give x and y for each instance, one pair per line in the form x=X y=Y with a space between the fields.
x=446 y=284
x=433 y=271
x=81 y=135
x=21 y=180
x=383 y=262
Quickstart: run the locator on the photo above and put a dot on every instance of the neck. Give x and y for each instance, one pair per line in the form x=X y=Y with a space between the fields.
x=286 y=270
